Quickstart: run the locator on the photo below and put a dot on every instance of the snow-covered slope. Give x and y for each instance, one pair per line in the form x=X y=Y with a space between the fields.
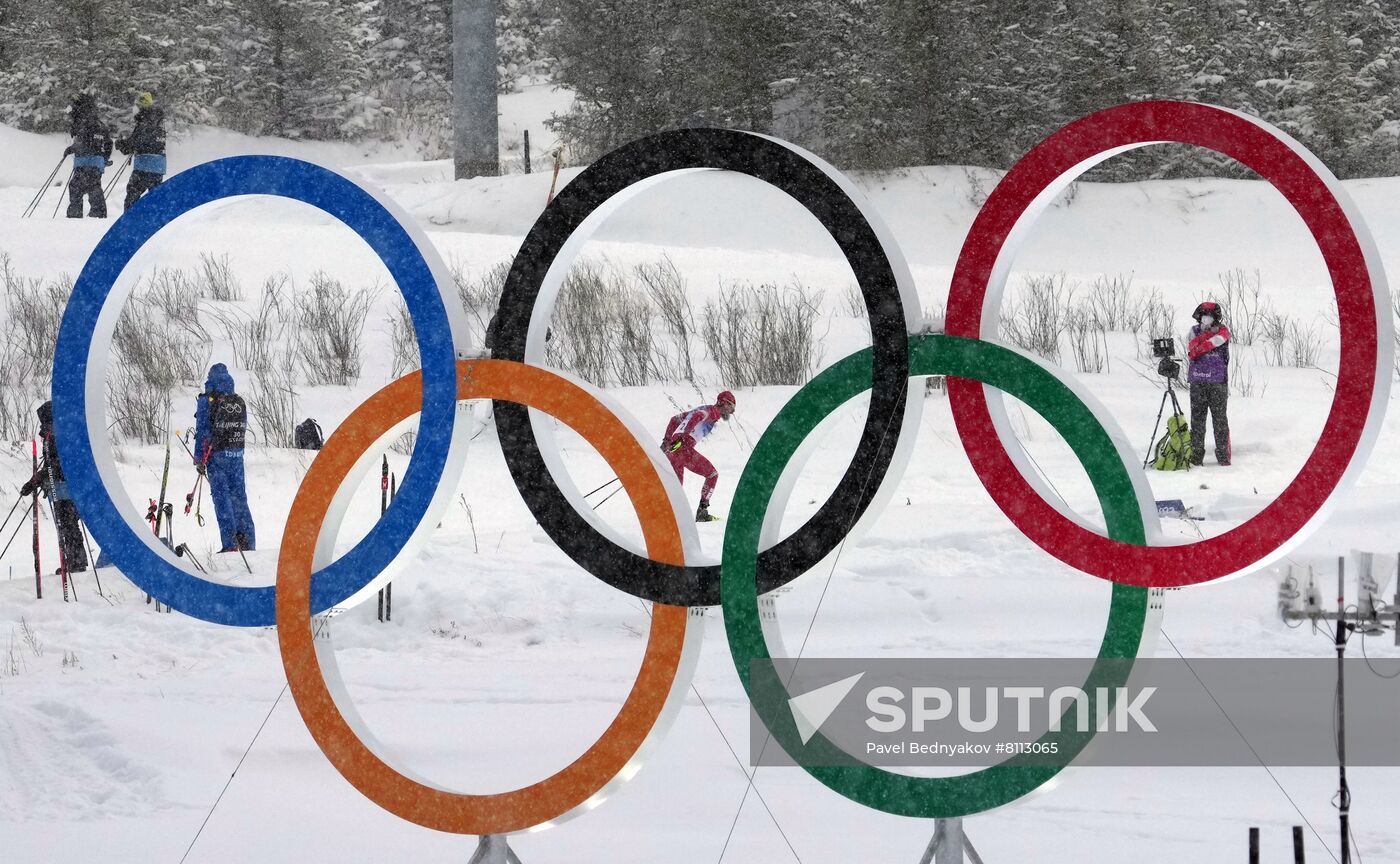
x=119 y=726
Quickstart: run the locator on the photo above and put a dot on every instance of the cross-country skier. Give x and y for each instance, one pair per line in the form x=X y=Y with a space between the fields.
x=92 y=153
x=146 y=144
x=54 y=485
x=678 y=444
x=1209 y=376
x=220 y=424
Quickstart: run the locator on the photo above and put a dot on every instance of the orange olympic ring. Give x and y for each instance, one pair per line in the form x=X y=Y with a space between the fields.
x=571 y=787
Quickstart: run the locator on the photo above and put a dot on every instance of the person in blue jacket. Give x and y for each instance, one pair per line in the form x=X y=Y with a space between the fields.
x=220 y=425
x=92 y=153
x=146 y=144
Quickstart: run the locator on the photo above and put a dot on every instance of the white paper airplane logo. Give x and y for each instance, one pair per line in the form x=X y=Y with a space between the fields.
x=811 y=709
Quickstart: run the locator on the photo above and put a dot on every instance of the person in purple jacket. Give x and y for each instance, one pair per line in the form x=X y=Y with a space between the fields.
x=1209 y=377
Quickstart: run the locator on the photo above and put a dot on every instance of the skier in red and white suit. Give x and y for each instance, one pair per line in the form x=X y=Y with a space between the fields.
x=679 y=446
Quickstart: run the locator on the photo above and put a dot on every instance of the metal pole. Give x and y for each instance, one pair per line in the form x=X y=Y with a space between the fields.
x=476 y=129
x=493 y=849
x=947 y=845
x=1298 y=844
x=1344 y=794
x=1254 y=846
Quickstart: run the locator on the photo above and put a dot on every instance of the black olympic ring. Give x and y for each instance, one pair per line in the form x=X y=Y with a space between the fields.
x=815 y=187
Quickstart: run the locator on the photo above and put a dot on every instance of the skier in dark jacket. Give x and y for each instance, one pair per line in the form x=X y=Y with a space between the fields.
x=220 y=424
x=146 y=144
x=92 y=153
x=54 y=485
x=1209 y=377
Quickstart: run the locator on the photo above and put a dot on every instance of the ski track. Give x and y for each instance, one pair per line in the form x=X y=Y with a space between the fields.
x=58 y=757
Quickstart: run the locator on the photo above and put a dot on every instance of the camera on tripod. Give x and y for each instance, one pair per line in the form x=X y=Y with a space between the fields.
x=1168 y=364
x=1169 y=367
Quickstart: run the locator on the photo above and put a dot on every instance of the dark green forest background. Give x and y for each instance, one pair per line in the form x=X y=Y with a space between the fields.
x=865 y=84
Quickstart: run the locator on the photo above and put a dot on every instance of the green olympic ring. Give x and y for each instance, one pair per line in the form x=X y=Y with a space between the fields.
x=887 y=791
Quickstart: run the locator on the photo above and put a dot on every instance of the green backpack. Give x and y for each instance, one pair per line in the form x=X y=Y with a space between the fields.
x=1173 y=449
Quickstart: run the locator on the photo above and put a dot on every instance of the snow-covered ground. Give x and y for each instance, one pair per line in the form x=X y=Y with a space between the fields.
x=504 y=660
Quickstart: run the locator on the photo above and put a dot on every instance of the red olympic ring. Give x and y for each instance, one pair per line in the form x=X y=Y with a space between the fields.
x=1363 y=382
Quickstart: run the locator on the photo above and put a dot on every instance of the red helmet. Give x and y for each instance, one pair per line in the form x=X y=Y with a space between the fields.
x=725 y=396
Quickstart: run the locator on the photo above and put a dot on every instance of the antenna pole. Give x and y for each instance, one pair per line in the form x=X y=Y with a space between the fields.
x=1343 y=793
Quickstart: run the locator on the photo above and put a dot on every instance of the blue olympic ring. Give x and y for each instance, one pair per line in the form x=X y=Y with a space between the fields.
x=120 y=533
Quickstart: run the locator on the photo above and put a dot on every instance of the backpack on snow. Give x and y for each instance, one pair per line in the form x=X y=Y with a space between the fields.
x=1173 y=450
x=308 y=435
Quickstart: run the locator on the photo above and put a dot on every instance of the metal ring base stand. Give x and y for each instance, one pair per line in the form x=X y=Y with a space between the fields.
x=949 y=845
x=494 y=849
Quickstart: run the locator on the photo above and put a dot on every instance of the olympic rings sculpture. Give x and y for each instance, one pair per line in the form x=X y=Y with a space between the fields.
x=669 y=571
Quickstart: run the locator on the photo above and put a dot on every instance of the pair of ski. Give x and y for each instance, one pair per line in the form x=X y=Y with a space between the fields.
x=388 y=488
x=161 y=513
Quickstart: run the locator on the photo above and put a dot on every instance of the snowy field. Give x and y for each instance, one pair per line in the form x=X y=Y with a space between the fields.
x=119 y=726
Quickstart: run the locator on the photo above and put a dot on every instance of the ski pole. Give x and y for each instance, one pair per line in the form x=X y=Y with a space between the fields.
x=38 y=572
x=600 y=488
x=115 y=177
x=183 y=551
x=39 y=196
x=605 y=500
x=6 y=523
x=59 y=203
x=95 y=575
x=189 y=498
x=15 y=533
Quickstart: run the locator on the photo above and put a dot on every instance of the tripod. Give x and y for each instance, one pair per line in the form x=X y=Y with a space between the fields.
x=1168 y=369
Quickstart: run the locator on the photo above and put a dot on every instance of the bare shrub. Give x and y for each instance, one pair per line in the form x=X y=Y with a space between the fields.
x=272 y=402
x=330 y=324
x=1161 y=316
x=1245 y=306
x=402 y=340
x=139 y=407
x=480 y=296
x=257 y=338
x=1037 y=317
x=1273 y=330
x=151 y=360
x=854 y=302
x=217 y=279
x=404 y=443
x=602 y=328
x=1395 y=327
x=19 y=395
x=1110 y=302
x=176 y=294
x=763 y=334
x=1089 y=342
x=1241 y=377
x=165 y=355
x=27 y=346
x=35 y=310
x=1304 y=343
x=1149 y=317
x=666 y=287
